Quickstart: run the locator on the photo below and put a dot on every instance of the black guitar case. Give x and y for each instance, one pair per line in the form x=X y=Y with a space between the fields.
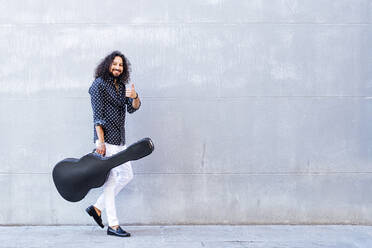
x=74 y=178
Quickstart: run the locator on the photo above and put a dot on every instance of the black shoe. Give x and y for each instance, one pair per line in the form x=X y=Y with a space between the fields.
x=119 y=232
x=92 y=212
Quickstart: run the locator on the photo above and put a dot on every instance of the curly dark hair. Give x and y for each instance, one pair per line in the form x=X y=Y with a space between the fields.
x=103 y=69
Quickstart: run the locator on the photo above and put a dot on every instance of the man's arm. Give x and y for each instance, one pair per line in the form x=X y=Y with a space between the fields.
x=98 y=107
x=134 y=102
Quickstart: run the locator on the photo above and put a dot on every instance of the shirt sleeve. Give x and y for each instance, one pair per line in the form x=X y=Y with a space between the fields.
x=130 y=108
x=97 y=100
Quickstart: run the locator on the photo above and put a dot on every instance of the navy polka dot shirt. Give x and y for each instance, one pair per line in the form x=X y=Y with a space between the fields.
x=109 y=108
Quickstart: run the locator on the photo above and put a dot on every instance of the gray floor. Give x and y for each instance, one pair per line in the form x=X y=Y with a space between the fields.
x=189 y=236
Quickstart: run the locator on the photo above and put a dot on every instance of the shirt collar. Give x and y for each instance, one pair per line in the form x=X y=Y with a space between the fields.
x=111 y=80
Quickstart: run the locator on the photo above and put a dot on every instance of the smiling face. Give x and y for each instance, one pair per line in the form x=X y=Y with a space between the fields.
x=116 y=67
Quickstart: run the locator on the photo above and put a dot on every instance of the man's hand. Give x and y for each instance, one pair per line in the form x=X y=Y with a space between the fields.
x=101 y=149
x=131 y=92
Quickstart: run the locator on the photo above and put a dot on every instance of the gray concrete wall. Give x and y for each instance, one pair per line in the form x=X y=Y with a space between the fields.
x=260 y=110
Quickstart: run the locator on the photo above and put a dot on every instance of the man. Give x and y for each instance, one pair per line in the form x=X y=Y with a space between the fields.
x=110 y=100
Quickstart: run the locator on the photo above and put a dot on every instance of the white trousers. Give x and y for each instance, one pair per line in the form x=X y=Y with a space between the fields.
x=118 y=178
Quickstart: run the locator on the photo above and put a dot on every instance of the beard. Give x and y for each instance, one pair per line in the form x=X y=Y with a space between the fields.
x=112 y=75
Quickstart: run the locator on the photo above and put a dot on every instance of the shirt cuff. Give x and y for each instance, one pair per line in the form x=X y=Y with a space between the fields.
x=99 y=123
